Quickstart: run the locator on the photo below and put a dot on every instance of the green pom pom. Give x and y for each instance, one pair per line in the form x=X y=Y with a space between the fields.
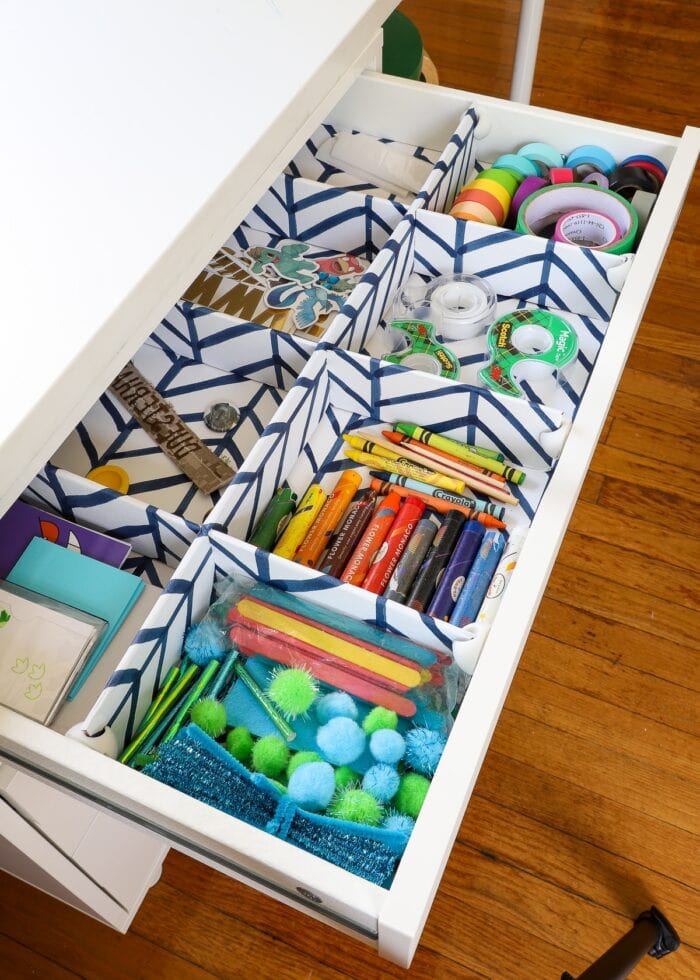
x=412 y=791
x=344 y=775
x=299 y=758
x=380 y=718
x=293 y=691
x=143 y=759
x=356 y=806
x=270 y=755
x=210 y=716
x=239 y=742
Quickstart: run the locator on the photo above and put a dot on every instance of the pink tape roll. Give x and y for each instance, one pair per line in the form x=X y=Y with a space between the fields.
x=528 y=186
x=561 y=175
x=589 y=229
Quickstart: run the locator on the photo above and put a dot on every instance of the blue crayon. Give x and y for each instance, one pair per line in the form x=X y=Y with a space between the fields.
x=457 y=570
x=412 y=558
x=464 y=500
x=476 y=586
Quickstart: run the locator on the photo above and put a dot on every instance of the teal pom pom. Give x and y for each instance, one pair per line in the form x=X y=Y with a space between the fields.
x=210 y=716
x=293 y=690
x=205 y=642
x=239 y=743
x=381 y=781
x=337 y=704
x=398 y=822
x=270 y=755
x=379 y=718
x=300 y=759
x=341 y=741
x=424 y=749
x=387 y=746
x=312 y=786
x=356 y=806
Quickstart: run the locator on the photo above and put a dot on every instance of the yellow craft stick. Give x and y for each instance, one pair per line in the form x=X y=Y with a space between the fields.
x=352 y=653
x=406 y=467
x=299 y=526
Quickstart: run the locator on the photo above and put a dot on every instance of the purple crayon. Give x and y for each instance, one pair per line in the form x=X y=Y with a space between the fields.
x=452 y=581
x=479 y=578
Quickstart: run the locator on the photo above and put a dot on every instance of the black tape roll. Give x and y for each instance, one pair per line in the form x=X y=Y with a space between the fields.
x=626 y=180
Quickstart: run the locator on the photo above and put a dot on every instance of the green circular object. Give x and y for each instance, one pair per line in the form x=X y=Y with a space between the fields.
x=356 y=806
x=402 y=51
x=379 y=718
x=299 y=758
x=508 y=179
x=293 y=691
x=344 y=775
x=270 y=755
x=210 y=716
x=413 y=789
x=239 y=743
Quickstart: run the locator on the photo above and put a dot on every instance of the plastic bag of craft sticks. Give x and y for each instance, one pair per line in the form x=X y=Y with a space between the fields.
x=365 y=668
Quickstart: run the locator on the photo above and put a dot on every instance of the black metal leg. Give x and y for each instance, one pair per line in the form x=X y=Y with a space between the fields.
x=651 y=933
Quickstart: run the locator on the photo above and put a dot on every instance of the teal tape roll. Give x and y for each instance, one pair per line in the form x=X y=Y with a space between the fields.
x=545 y=207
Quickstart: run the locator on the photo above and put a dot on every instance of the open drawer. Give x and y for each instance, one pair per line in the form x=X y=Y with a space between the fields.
x=392 y=918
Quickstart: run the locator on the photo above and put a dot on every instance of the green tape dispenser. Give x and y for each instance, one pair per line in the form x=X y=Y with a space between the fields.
x=420 y=350
x=529 y=345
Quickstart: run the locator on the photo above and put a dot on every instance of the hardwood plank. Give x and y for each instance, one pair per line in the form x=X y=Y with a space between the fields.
x=663 y=419
x=653 y=506
x=676 y=451
x=20 y=962
x=591 y=487
x=670 y=367
x=655 y=390
x=625 y=465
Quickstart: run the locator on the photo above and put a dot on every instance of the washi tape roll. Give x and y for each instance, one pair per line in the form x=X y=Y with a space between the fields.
x=543 y=209
x=627 y=180
x=651 y=168
x=521 y=165
x=593 y=157
x=473 y=211
x=587 y=229
x=638 y=157
x=528 y=187
x=493 y=187
x=461 y=306
x=542 y=154
x=507 y=178
x=595 y=177
x=490 y=201
x=562 y=175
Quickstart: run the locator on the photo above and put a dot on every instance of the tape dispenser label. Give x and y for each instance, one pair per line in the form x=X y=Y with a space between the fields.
x=527 y=345
x=422 y=352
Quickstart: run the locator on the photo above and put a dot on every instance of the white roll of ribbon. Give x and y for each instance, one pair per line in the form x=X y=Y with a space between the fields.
x=461 y=306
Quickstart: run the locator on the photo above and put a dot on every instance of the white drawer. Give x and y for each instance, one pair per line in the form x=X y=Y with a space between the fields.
x=392 y=919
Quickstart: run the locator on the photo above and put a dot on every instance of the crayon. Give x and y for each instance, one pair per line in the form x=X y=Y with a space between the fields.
x=455 y=575
x=387 y=558
x=382 y=486
x=435 y=562
x=482 y=506
x=349 y=533
x=405 y=467
x=472 y=595
x=501 y=577
x=416 y=550
x=369 y=446
x=440 y=458
x=306 y=513
x=316 y=541
x=488 y=453
x=372 y=540
x=274 y=519
x=459 y=450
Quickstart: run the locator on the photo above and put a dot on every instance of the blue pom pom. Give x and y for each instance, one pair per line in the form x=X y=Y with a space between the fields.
x=424 y=748
x=341 y=741
x=312 y=785
x=388 y=746
x=337 y=704
x=382 y=781
x=398 y=822
x=204 y=642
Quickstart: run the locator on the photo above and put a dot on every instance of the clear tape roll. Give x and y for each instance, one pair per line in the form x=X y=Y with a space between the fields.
x=461 y=306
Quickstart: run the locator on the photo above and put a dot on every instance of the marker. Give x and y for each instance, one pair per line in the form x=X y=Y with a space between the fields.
x=412 y=558
x=472 y=595
x=387 y=558
x=441 y=506
x=439 y=458
x=435 y=562
x=501 y=577
x=297 y=529
x=481 y=506
x=318 y=538
x=372 y=540
x=406 y=468
x=455 y=575
x=459 y=450
x=274 y=519
x=349 y=533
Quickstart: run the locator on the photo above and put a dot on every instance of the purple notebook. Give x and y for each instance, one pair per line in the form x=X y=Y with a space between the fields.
x=22 y=523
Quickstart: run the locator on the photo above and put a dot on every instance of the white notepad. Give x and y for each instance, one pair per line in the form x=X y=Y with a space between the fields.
x=43 y=644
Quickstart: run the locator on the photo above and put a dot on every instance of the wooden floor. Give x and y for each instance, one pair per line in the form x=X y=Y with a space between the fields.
x=587 y=805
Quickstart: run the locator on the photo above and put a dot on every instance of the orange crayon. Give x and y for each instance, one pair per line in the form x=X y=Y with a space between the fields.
x=316 y=541
x=372 y=540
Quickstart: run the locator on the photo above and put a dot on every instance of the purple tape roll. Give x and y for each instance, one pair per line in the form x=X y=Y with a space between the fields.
x=600 y=180
x=589 y=229
x=528 y=186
